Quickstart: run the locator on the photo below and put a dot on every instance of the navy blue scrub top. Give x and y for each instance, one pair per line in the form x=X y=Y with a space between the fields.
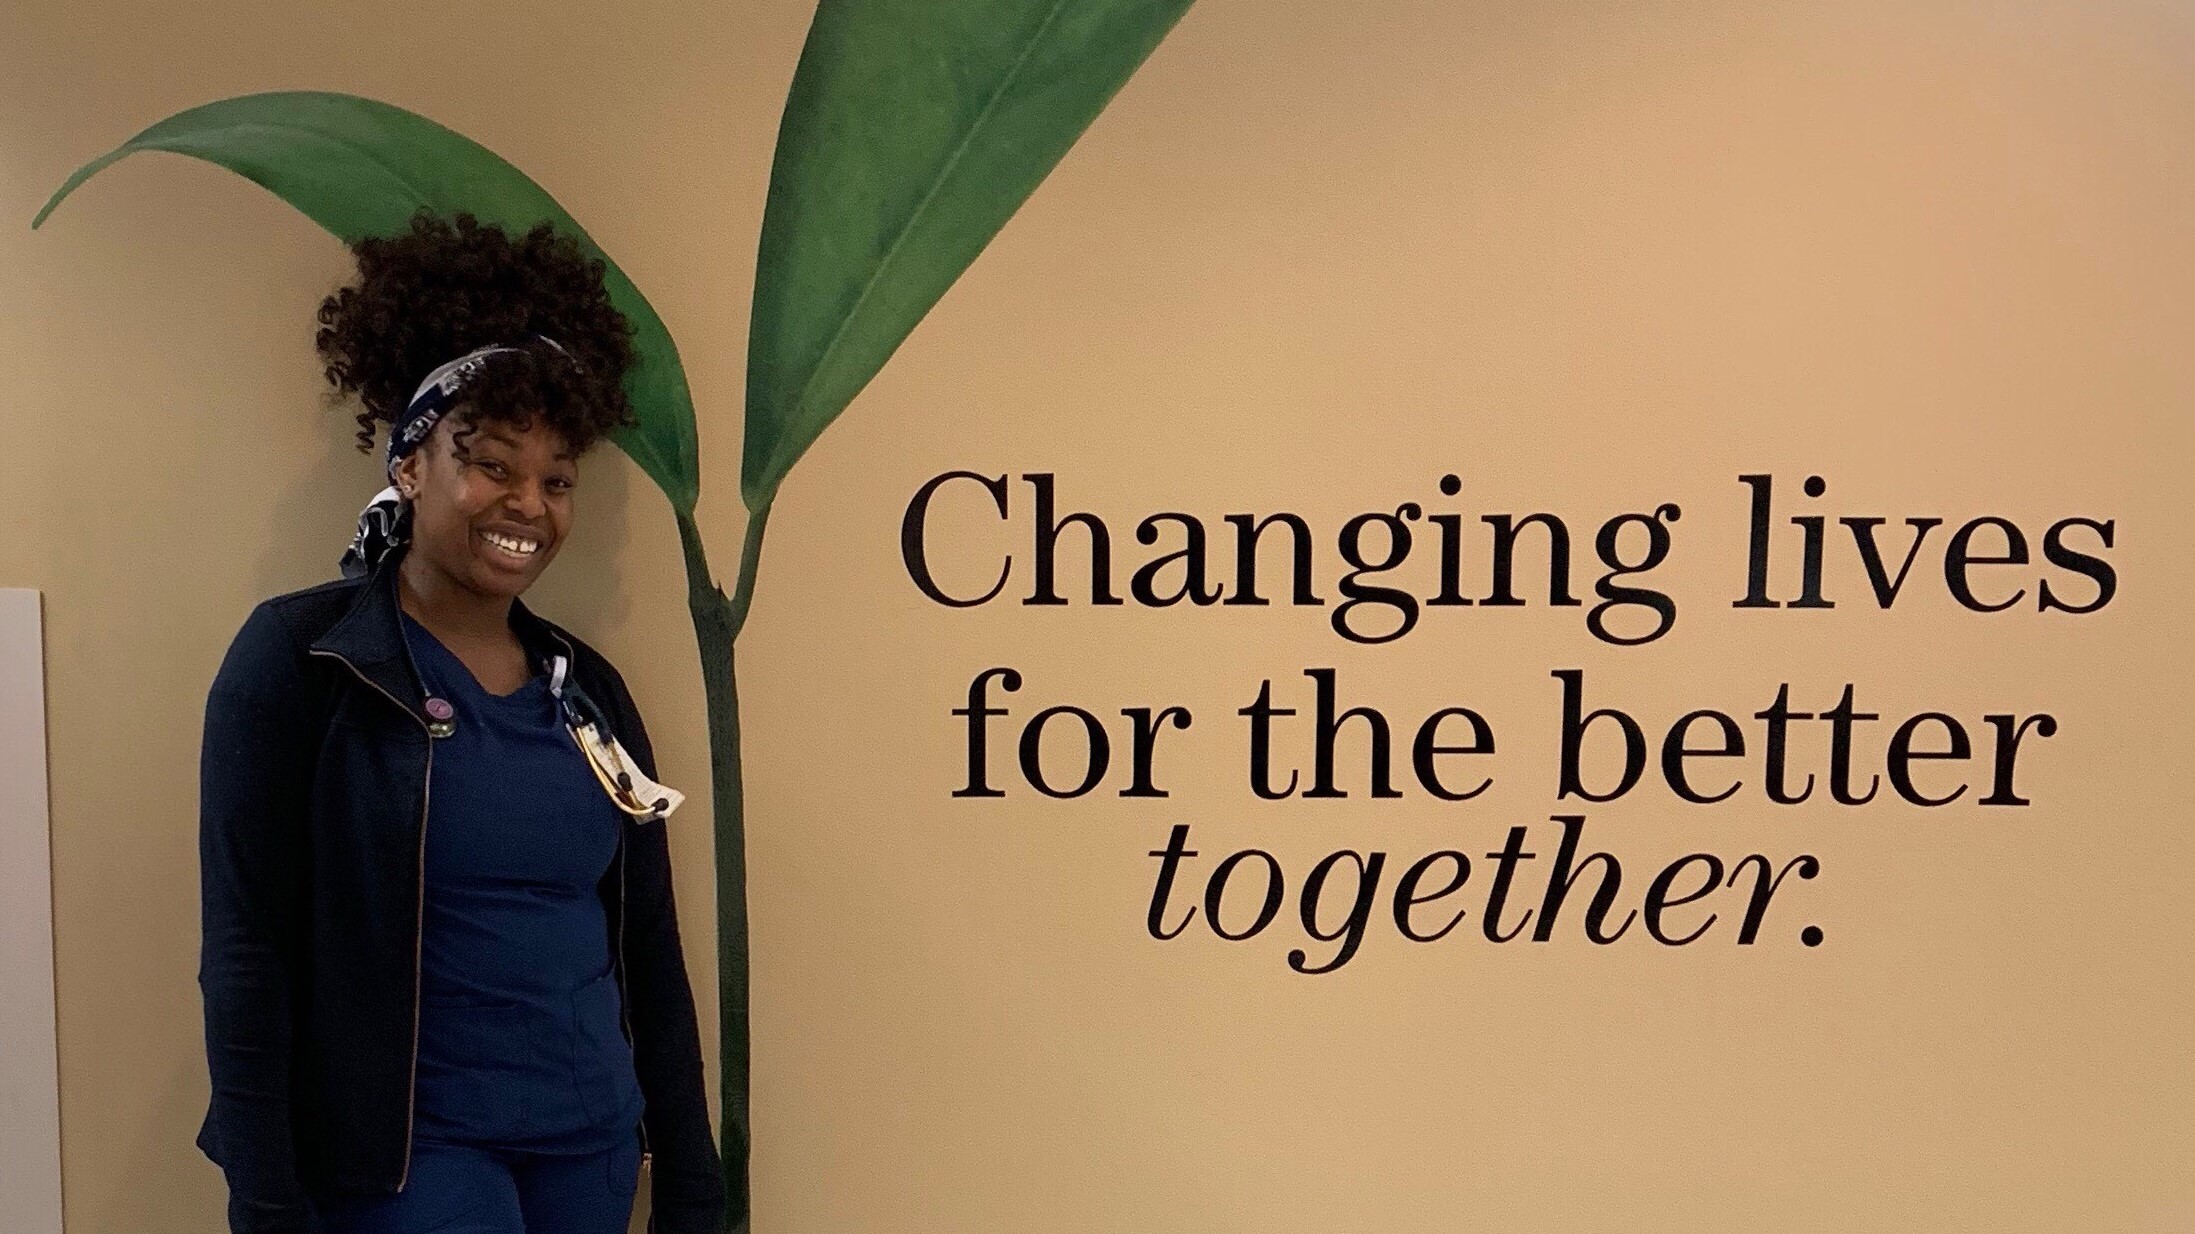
x=520 y=1044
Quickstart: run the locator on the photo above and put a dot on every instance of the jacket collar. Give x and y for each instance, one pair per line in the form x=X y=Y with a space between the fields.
x=369 y=636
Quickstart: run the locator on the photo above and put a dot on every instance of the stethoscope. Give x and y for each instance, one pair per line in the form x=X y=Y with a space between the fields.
x=628 y=787
x=618 y=774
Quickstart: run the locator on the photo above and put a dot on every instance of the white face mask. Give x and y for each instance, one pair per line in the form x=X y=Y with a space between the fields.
x=619 y=775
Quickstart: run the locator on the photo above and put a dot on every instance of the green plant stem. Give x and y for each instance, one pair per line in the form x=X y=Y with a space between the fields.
x=717 y=622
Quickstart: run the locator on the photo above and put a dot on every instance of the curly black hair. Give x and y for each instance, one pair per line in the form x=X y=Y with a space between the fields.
x=446 y=286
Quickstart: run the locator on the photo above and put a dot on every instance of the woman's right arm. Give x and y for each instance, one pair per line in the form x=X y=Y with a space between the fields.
x=255 y=781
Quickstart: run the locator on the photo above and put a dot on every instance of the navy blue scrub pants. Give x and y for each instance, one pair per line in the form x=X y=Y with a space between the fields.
x=463 y=1189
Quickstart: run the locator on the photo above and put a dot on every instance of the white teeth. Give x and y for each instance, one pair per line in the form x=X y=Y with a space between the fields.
x=508 y=544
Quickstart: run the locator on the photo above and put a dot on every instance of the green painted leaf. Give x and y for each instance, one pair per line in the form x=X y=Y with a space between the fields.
x=360 y=168
x=913 y=131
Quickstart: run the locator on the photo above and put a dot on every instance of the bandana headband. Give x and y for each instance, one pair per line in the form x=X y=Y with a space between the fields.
x=385 y=523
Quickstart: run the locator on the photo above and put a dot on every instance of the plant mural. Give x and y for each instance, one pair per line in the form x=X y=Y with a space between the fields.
x=913 y=130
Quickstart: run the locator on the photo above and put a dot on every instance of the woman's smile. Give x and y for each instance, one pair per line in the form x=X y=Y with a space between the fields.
x=514 y=550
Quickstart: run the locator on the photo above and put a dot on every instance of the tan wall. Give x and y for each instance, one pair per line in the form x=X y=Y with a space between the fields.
x=1589 y=256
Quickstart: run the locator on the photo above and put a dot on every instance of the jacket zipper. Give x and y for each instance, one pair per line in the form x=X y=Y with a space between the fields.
x=624 y=907
x=419 y=924
x=625 y=1020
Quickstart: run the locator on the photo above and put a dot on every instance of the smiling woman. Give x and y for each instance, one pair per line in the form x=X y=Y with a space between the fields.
x=441 y=962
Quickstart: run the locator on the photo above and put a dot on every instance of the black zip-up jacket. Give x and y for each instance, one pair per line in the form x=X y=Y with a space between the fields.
x=313 y=804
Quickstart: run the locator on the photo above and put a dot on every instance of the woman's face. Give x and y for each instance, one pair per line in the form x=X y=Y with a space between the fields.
x=491 y=521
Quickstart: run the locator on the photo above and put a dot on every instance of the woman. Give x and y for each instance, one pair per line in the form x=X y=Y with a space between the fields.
x=443 y=981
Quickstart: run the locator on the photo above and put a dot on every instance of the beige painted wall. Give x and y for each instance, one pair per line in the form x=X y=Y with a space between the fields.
x=1588 y=256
